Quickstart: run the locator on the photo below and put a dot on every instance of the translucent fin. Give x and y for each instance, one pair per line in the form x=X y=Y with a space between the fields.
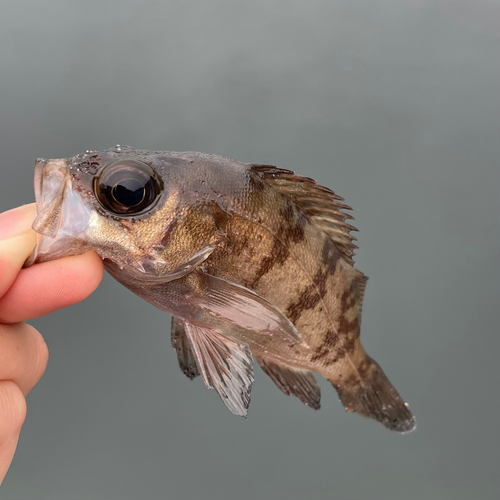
x=320 y=204
x=299 y=383
x=224 y=365
x=237 y=304
x=181 y=344
x=376 y=398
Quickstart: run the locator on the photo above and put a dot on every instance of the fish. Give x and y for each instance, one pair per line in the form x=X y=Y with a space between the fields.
x=250 y=260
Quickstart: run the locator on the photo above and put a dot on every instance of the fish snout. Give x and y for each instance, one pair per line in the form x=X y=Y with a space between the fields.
x=62 y=216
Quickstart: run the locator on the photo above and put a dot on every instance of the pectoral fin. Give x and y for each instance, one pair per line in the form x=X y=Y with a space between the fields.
x=243 y=307
x=181 y=344
x=224 y=365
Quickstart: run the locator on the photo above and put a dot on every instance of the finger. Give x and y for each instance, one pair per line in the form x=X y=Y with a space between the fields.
x=49 y=286
x=23 y=355
x=12 y=415
x=17 y=241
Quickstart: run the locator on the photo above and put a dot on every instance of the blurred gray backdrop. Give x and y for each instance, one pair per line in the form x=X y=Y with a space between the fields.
x=394 y=105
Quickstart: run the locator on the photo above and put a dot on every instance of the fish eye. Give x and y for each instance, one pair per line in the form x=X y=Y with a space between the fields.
x=127 y=187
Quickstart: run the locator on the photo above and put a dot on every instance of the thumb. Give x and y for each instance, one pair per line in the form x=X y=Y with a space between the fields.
x=17 y=241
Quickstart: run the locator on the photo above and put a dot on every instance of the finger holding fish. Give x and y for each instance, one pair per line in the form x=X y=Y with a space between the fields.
x=28 y=293
x=47 y=287
x=17 y=240
x=41 y=289
x=25 y=293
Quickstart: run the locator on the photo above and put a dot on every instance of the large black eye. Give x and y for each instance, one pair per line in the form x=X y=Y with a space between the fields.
x=127 y=187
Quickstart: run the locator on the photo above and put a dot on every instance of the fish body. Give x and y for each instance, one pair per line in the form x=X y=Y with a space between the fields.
x=250 y=260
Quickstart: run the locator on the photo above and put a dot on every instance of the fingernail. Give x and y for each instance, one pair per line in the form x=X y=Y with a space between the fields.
x=16 y=221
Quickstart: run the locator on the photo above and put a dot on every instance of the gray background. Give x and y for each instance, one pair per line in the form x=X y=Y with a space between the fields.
x=395 y=106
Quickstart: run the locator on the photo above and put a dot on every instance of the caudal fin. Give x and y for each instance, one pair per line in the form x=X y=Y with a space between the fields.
x=376 y=398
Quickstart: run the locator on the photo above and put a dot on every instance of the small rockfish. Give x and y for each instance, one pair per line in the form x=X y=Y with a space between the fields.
x=250 y=261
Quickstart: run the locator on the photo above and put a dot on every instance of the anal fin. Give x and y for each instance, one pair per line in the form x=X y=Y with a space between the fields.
x=292 y=381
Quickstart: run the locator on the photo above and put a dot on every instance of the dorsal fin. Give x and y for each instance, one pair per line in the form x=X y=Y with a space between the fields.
x=320 y=204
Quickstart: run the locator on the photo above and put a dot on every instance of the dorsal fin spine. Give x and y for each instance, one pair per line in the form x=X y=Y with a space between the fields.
x=320 y=205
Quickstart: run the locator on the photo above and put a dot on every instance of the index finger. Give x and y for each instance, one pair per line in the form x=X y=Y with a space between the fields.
x=42 y=288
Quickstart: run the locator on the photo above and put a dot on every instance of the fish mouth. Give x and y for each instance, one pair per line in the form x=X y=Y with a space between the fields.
x=51 y=179
x=62 y=216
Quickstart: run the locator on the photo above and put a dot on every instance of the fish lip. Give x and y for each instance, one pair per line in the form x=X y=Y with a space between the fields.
x=41 y=209
x=62 y=216
x=51 y=182
x=39 y=166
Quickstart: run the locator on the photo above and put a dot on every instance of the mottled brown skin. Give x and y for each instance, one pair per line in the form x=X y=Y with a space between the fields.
x=275 y=251
x=270 y=246
x=279 y=235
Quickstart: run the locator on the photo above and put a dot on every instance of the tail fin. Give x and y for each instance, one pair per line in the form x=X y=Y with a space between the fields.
x=376 y=398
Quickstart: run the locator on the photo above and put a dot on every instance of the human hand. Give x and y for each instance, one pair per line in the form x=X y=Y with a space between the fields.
x=27 y=294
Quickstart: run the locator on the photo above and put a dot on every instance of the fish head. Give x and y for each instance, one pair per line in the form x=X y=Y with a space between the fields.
x=123 y=203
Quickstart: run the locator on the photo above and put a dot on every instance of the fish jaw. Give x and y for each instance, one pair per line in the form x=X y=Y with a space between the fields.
x=62 y=216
